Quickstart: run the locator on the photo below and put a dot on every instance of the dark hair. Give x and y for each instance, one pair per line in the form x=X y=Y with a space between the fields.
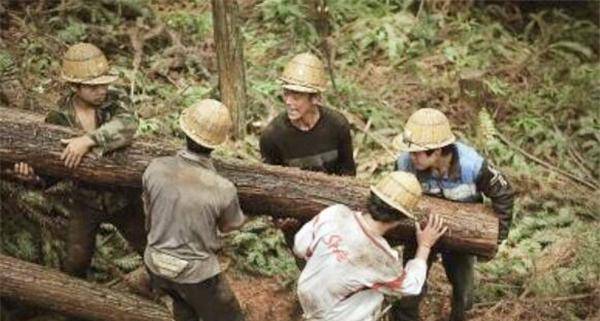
x=381 y=211
x=430 y=151
x=197 y=148
x=445 y=150
x=448 y=149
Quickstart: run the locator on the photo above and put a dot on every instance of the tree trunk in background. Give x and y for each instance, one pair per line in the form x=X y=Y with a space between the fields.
x=263 y=189
x=319 y=12
x=47 y=288
x=230 y=58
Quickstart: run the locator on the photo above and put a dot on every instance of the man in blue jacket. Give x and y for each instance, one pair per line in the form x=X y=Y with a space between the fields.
x=454 y=171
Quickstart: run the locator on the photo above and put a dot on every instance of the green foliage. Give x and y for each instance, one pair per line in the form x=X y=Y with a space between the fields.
x=388 y=35
x=395 y=36
x=23 y=245
x=542 y=91
x=113 y=255
x=195 y=25
x=53 y=249
x=6 y=62
x=128 y=262
x=73 y=32
x=260 y=248
x=194 y=94
x=19 y=232
x=37 y=58
x=286 y=15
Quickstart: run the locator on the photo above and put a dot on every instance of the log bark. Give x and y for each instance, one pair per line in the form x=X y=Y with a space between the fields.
x=263 y=189
x=230 y=61
x=47 y=288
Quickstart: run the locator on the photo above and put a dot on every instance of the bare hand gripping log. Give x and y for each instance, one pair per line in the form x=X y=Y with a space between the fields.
x=263 y=189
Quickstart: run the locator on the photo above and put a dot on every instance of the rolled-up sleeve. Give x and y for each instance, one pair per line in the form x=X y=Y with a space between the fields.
x=304 y=239
x=409 y=282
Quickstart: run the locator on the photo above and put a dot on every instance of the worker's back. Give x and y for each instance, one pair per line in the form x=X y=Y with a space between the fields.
x=185 y=199
x=345 y=264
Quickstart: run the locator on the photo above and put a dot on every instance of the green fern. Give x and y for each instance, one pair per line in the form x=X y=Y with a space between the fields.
x=7 y=64
x=53 y=249
x=129 y=262
x=486 y=130
x=260 y=248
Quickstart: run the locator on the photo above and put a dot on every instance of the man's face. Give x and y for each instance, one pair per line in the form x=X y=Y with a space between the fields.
x=426 y=159
x=298 y=104
x=94 y=95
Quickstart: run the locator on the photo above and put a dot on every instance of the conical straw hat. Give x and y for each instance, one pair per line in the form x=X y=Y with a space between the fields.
x=426 y=129
x=400 y=190
x=206 y=122
x=304 y=73
x=84 y=63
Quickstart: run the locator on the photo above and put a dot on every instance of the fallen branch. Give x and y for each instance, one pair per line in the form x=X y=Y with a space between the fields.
x=546 y=164
x=360 y=125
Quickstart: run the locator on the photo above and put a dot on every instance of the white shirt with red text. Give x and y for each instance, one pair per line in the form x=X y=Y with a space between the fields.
x=349 y=269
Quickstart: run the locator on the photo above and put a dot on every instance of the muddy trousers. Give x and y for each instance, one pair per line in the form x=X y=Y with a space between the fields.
x=460 y=271
x=84 y=223
x=210 y=300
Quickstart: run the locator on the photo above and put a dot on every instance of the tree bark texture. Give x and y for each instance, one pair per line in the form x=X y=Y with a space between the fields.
x=230 y=60
x=263 y=189
x=44 y=287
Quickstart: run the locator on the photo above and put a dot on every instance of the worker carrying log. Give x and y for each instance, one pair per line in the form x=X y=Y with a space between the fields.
x=186 y=201
x=106 y=118
x=350 y=266
x=263 y=190
x=455 y=171
x=307 y=134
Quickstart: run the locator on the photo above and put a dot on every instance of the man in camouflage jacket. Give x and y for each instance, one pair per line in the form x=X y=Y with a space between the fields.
x=105 y=116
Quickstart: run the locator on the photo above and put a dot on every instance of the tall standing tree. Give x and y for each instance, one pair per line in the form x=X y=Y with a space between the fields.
x=230 y=59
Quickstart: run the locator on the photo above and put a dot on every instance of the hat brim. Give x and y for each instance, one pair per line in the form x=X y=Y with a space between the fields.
x=392 y=203
x=101 y=80
x=399 y=144
x=196 y=138
x=299 y=88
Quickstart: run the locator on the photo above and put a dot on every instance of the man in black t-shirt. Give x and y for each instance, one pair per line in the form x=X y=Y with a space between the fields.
x=307 y=135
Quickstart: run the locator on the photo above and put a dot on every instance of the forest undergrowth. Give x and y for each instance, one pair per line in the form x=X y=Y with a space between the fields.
x=521 y=83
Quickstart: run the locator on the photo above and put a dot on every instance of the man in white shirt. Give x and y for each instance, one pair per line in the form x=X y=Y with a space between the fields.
x=350 y=266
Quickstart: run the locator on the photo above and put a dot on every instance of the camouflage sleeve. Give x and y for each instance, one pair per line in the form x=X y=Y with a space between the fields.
x=116 y=132
x=57 y=118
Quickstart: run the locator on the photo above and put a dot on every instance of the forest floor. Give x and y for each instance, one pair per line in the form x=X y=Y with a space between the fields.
x=521 y=82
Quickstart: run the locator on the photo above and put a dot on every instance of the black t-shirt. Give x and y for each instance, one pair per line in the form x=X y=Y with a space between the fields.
x=327 y=147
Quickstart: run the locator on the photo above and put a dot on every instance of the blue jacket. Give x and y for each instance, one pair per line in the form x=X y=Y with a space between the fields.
x=469 y=178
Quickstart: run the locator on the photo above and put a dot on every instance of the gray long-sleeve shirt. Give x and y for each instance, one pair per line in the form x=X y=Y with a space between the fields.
x=185 y=201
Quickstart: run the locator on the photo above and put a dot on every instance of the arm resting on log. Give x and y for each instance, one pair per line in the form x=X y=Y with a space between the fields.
x=263 y=189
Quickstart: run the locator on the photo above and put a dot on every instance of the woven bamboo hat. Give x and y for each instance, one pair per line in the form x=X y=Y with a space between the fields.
x=84 y=63
x=426 y=129
x=304 y=73
x=207 y=122
x=400 y=190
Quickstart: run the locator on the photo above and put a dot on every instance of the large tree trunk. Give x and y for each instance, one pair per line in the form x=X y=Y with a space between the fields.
x=230 y=58
x=263 y=189
x=47 y=288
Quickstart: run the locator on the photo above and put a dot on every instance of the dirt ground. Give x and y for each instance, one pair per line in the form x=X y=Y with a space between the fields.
x=264 y=298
